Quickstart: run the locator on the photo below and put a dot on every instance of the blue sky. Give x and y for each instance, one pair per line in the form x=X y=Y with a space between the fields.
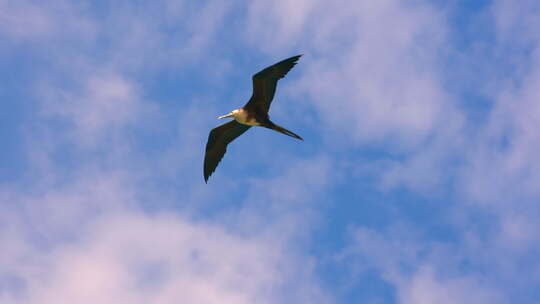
x=418 y=180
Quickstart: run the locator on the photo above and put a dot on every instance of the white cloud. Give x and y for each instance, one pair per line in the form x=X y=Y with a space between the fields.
x=286 y=202
x=28 y=21
x=374 y=73
x=506 y=156
x=276 y=23
x=502 y=161
x=371 y=69
x=122 y=37
x=23 y=20
x=420 y=271
x=76 y=232
x=138 y=258
x=89 y=242
x=101 y=105
x=426 y=288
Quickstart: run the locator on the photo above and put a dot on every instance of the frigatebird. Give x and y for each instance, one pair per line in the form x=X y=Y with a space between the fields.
x=253 y=113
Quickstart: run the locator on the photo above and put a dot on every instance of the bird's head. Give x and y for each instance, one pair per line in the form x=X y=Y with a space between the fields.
x=232 y=114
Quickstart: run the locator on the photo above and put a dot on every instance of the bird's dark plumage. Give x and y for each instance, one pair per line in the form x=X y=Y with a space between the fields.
x=254 y=113
x=218 y=139
x=265 y=83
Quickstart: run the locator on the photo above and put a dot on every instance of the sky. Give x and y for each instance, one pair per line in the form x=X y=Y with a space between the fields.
x=418 y=180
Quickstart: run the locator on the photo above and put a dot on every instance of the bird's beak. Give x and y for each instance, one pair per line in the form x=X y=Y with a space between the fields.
x=225 y=116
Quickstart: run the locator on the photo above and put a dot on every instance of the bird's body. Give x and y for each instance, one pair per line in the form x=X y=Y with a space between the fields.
x=253 y=113
x=246 y=117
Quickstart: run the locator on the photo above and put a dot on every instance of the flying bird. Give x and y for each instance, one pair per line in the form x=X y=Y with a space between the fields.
x=253 y=113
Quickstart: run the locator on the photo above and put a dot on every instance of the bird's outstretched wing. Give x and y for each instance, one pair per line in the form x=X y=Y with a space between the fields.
x=265 y=82
x=218 y=139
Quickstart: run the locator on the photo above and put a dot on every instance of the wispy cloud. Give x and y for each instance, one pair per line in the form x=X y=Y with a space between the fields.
x=378 y=76
x=100 y=104
x=153 y=259
x=113 y=207
x=372 y=67
x=82 y=231
x=31 y=22
x=420 y=271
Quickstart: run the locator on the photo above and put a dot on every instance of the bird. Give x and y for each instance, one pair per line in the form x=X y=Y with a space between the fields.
x=253 y=113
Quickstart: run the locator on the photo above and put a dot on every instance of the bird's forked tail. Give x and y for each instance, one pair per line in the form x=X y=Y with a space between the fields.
x=280 y=129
